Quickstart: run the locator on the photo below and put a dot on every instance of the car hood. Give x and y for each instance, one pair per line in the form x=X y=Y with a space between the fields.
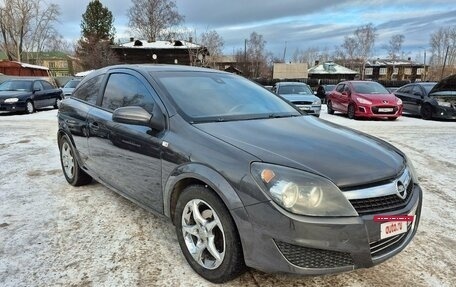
x=446 y=87
x=299 y=97
x=379 y=98
x=344 y=156
x=67 y=90
x=12 y=94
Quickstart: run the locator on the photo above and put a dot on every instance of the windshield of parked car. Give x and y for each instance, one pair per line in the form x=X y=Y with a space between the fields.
x=428 y=87
x=205 y=97
x=294 y=89
x=72 y=84
x=22 y=86
x=369 y=88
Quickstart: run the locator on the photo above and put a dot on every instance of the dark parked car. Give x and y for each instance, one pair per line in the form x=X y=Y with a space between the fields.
x=429 y=99
x=70 y=86
x=246 y=178
x=28 y=95
x=364 y=99
x=299 y=94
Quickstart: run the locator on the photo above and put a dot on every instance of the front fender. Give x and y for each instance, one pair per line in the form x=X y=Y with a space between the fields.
x=204 y=174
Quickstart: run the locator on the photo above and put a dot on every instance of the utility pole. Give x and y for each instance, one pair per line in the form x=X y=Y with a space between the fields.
x=444 y=62
x=284 y=52
x=245 y=56
x=424 y=76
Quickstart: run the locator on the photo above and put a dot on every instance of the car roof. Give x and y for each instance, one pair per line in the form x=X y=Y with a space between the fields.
x=290 y=83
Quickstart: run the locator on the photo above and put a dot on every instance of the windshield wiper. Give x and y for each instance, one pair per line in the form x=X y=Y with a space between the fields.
x=276 y=116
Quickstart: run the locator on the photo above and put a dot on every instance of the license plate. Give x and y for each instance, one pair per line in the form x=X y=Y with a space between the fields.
x=392 y=228
x=385 y=110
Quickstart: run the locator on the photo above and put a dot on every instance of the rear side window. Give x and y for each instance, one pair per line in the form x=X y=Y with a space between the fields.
x=126 y=90
x=406 y=89
x=89 y=90
x=46 y=85
x=340 y=88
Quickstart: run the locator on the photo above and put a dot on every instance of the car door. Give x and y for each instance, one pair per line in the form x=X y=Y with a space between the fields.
x=51 y=93
x=416 y=100
x=127 y=157
x=38 y=96
x=336 y=97
x=405 y=94
x=345 y=97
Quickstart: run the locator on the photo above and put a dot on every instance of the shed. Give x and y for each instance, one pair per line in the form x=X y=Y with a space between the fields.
x=13 y=68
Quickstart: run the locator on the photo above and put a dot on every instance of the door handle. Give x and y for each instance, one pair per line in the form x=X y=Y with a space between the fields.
x=94 y=125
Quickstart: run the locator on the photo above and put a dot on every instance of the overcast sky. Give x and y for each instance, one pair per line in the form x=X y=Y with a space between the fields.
x=298 y=23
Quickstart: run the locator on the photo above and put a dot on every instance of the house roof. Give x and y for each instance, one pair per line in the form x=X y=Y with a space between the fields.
x=331 y=68
x=5 y=63
x=391 y=62
x=143 y=44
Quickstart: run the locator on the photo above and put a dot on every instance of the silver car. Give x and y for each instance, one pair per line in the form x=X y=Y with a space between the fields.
x=69 y=87
x=300 y=95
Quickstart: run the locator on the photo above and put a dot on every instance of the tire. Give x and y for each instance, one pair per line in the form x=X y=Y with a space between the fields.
x=392 y=118
x=351 y=111
x=330 y=109
x=57 y=103
x=225 y=260
x=70 y=167
x=29 y=107
x=426 y=112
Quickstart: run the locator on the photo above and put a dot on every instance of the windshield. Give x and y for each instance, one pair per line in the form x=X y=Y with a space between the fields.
x=72 y=84
x=369 y=88
x=25 y=86
x=294 y=89
x=428 y=87
x=203 y=97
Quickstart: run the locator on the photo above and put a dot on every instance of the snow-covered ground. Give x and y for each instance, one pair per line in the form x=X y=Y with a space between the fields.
x=53 y=234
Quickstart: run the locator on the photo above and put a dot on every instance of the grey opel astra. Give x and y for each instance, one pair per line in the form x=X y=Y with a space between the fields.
x=247 y=179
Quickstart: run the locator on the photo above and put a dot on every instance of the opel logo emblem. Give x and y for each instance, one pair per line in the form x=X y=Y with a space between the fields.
x=401 y=190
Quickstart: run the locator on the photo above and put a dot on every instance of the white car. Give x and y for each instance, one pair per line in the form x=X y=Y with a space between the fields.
x=300 y=95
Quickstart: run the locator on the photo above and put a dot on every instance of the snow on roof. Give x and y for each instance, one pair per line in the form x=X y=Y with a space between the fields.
x=83 y=74
x=25 y=65
x=331 y=68
x=143 y=44
x=390 y=62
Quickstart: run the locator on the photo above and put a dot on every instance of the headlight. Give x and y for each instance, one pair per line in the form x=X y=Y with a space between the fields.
x=399 y=101
x=444 y=104
x=11 y=100
x=316 y=102
x=301 y=192
x=364 y=101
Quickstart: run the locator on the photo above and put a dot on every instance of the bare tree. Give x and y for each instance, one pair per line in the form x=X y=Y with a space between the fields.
x=153 y=19
x=441 y=41
x=26 y=25
x=256 y=55
x=365 y=39
x=213 y=42
x=394 y=46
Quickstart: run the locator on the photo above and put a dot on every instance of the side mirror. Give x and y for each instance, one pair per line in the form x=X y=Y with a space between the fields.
x=36 y=90
x=134 y=115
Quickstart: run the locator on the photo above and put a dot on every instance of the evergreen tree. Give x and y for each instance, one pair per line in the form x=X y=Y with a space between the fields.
x=97 y=31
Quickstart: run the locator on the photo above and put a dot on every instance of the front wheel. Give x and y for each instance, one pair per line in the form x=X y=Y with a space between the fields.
x=207 y=235
x=351 y=111
x=29 y=107
x=392 y=118
x=426 y=112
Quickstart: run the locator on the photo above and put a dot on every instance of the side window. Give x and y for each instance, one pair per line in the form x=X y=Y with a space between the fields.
x=126 y=90
x=46 y=85
x=89 y=90
x=406 y=89
x=417 y=91
x=37 y=86
x=340 y=88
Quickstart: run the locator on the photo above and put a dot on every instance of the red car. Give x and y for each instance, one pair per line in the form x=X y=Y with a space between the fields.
x=364 y=99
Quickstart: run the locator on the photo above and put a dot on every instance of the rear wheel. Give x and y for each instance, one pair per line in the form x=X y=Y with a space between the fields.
x=29 y=107
x=73 y=173
x=351 y=111
x=207 y=235
x=426 y=112
x=330 y=108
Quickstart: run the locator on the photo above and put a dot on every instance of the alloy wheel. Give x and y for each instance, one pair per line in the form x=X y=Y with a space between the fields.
x=203 y=234
x=67 y=160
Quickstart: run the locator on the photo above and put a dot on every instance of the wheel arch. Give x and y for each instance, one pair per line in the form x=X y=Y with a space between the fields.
x=191 y=174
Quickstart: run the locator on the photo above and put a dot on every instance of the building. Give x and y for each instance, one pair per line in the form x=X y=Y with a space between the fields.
x=284 y=71
x=394 y=70
x=332 y=72
x=160 y=52
x=13 y=68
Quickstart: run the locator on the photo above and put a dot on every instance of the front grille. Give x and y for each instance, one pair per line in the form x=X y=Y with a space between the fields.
x=302 y=103
x=375 y=110
x=313 y=258
x=383 y=246
x=382 y=203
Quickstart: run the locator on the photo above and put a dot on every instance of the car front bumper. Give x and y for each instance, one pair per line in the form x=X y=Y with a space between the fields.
x=283 y=242
x=448 y=113
x=377 y=112
x=15 y=107
x=310 y=109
